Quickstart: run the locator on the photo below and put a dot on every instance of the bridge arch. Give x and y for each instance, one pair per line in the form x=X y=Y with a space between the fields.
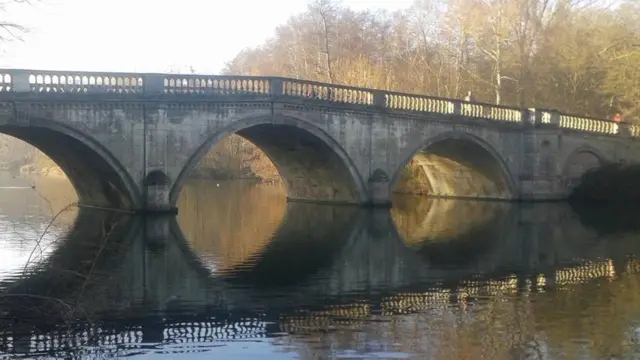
x=96 y=175
x=455 y=164
x=578 y=162
x=313 y=165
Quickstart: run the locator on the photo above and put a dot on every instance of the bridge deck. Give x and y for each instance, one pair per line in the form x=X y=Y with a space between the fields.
x=138 y=86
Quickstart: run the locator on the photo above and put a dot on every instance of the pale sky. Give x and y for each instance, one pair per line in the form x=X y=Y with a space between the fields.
x=148 y=36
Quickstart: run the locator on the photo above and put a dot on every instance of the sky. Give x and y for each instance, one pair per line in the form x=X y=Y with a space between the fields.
x=146 y=35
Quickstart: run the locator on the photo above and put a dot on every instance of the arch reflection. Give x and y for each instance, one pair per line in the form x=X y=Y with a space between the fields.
x=327 y=268
x=229 y=222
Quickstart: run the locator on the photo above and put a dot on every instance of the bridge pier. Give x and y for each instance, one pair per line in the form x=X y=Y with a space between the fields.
x=157 y=194
x=379 y=189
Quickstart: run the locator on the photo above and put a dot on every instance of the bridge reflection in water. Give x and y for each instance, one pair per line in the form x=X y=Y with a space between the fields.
x=468 y=273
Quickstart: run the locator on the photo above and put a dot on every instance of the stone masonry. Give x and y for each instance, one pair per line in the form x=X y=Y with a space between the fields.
x=128 y=141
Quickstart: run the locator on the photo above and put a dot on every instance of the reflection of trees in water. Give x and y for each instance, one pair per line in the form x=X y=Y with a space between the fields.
x=34 y=218
x=584 y=312
x=56 y=193
x=72 y=281
x=494 y=320
x=231 y=222
x=50 y=196
x=419 y=218
x=496 y=330
x=475 y=319
x=452 y=232
x=595 y=317
x=603 y=314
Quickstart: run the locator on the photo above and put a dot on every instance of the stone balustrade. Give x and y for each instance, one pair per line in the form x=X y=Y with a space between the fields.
x=419 y=103
x=36 y=81
x=589 y=124
x=220 y=85
x=326 y=92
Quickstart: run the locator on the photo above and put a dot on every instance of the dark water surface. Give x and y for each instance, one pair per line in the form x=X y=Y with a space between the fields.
x=241 y=274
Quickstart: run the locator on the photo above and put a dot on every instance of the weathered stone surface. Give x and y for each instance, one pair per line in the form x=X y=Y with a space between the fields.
x=327 y=150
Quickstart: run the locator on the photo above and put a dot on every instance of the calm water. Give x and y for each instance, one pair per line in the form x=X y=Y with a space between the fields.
x=240 y=274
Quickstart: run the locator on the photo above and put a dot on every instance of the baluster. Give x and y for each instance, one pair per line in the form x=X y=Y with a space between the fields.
x=134 y=85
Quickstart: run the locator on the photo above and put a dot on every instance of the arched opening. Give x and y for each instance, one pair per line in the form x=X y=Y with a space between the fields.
x=97 y=179
x=232 y=195
x=157 y=178
x=455 y=165
x=310 y=165
x=577 y=164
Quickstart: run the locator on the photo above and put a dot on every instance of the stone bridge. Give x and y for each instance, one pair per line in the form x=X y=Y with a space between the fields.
x=128 y=141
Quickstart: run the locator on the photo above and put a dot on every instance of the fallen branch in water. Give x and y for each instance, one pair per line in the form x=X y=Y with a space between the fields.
x=39 y=240
x=105 y=238
x=39 y=297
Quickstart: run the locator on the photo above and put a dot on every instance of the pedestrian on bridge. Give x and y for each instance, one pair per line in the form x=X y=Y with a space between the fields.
x=469 y=97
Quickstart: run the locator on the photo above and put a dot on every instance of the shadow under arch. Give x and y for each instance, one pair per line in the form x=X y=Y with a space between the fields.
x=456 y=164
x=577 y=163
x=96 y=175
x=312 y=164
x=585 y=148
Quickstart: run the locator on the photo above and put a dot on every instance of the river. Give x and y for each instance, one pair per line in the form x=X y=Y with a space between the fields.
x=241 y=274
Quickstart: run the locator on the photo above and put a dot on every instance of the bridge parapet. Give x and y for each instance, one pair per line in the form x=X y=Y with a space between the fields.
x=400 y=101
x=38 y=81
x=587 y=124
x=634 y=130
x=219 y=85
x=327 y=92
